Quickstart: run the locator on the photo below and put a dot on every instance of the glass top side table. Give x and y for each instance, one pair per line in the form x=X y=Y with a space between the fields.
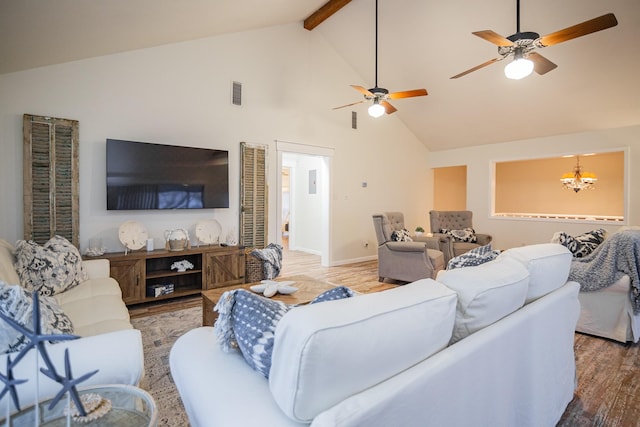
x=131 y=407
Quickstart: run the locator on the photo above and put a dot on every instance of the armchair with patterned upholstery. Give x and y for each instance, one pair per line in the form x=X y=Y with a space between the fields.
x=455 y=220
x=402 y=260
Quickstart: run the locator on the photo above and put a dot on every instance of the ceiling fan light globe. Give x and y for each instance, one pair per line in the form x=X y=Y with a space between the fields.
x=518 y=69
x=376 y=110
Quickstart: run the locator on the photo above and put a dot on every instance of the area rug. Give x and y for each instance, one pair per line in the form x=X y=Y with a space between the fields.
x=159 y=332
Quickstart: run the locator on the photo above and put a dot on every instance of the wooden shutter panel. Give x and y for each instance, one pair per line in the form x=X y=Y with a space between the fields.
x=253 y=196
x=50 y=178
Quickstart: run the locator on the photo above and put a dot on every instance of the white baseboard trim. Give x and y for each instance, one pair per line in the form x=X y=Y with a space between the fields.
x=353 y=260
x=308 y=251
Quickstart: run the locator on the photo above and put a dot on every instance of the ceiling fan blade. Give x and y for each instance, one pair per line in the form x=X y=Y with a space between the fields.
x=541 y=65
x=349 y=105
x=407 y=94
x=597 y=24
x=477 y=67
x=388 y=108
x=363 y=91
x=493 y=37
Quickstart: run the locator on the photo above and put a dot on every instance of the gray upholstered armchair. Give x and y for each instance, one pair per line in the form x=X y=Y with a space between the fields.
x=404 y=261
x=454 y=220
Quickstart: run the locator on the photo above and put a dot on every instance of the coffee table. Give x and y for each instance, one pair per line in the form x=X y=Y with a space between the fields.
x=131 y=407
x=308 y=289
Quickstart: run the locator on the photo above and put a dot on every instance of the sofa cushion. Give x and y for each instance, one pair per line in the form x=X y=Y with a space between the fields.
x=324 y=353
x=51 y=268
x=95 y=307
x=486 y=293
x=17 y=304
x=473 y=258
x=548 y=266
x=7 y=260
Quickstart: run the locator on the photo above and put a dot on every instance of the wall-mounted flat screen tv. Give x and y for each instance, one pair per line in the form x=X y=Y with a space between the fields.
x=142 y=175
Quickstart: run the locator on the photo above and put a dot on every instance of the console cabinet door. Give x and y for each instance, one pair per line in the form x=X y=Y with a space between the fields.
x=224 y=269
x=129 y=274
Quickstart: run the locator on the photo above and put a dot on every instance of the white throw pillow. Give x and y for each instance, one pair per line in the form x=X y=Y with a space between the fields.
x=486 y=293
x=324 y=353
x=548 y=265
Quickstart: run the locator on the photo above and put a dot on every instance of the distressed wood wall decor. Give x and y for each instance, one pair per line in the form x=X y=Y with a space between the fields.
x=253 y=196
x=50 y=178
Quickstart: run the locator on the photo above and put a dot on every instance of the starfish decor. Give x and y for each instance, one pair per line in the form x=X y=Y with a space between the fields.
x=37 y=340
x=10 y=384
x=68 y=383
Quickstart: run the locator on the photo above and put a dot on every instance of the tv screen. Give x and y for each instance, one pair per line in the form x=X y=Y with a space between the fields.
x=142 y=175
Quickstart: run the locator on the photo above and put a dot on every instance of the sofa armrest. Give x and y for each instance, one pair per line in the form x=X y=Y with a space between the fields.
x=445 y=243
x=407 y=246
x=97 y=268
x=432 y=241
x=117 y=356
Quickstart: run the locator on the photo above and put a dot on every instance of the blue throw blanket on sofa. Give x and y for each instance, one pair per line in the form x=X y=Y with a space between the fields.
x=615 y=257
x=271 y=257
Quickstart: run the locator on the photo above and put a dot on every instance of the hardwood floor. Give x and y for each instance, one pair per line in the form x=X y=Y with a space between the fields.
x=608 y=372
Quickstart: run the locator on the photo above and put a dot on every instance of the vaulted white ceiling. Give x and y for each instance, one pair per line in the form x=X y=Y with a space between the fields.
x=421 y=44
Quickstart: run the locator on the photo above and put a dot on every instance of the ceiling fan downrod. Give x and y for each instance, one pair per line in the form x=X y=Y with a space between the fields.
x=376 y=35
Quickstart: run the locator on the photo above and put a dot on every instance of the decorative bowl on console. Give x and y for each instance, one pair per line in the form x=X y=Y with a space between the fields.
x=177 y=240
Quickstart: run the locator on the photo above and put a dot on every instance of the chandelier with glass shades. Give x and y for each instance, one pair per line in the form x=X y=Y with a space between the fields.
x=578 y=180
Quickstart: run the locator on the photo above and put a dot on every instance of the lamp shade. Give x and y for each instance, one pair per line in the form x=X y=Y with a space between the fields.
x=376 y=110
x=518 y=69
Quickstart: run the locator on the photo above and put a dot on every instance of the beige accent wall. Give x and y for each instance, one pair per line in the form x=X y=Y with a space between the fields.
x=510 y=232
x=450 y=188
x=533 y=186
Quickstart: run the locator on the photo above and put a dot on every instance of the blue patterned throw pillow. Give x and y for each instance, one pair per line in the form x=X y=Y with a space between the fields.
x=338 y=292
x=17 y=304
x=247 y=321
x=582 y=244
x=474 y=257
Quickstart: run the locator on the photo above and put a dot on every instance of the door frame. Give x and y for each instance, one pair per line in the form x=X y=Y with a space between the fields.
x=327 y=156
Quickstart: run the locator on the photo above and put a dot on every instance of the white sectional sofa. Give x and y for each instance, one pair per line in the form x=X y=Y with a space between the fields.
x=608 y=313
x=490 y=345
x=107 y=340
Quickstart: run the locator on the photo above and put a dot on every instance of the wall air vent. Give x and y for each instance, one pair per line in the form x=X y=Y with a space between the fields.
x=354 y=120
x=236 y=93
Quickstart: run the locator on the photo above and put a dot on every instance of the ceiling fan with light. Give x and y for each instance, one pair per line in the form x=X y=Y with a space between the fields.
x=522 y=45
x=379 y=95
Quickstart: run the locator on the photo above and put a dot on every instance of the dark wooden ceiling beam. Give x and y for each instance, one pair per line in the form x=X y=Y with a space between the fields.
x=320 y=15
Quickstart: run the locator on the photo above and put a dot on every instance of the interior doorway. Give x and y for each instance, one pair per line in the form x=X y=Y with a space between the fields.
x=304 y=198
x=286 y=205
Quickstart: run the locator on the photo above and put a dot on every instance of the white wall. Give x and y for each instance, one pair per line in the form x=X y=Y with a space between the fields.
x=180 y=94
x=306 y=208
x=515 y=232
